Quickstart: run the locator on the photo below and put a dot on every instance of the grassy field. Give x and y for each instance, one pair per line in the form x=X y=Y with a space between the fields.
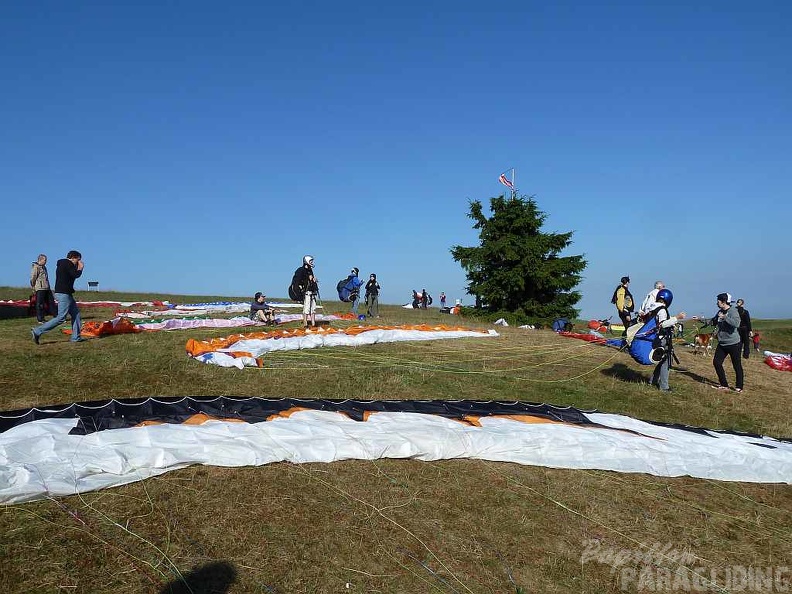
x=393 y=525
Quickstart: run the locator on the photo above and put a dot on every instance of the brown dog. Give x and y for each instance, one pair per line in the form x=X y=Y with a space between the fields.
x=702 y=343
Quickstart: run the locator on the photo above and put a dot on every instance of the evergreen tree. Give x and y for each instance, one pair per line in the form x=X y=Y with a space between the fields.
x=517 y=268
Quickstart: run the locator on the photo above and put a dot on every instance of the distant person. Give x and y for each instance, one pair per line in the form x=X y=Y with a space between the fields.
x=442 y=299
x=623 y=300
x=727 y=333
x=650 y=301
x=416 y=299
x=745 y=330
x=67 y=271
x=426 y=299
x=353 y=284
x=309 y=287
x=372 y=296
x=39 y=282
x=665 y=329
x=260 y=311
x=756 y=339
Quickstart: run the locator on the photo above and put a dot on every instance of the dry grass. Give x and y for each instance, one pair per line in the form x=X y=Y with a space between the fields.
x=388 y=525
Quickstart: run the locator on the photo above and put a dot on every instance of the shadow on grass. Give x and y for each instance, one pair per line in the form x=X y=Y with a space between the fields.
x=626 y=374
x=212 y=578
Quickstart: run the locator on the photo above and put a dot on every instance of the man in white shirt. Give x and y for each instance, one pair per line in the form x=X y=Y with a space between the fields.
x=650 y=301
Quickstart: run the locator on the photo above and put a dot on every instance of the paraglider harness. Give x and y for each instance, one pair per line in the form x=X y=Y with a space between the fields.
x=652 y=344
x=346 y=291
x=297 y=290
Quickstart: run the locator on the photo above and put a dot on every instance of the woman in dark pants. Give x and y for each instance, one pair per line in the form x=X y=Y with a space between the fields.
x=729 y=344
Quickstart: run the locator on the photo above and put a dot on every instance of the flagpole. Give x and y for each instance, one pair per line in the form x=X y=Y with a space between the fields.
x=514 y=184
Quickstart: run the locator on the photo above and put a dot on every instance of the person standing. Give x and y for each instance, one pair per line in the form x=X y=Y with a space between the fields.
x=442 y=300
x=309 y=286
x=623 y=300
x=372 y=296
x=67 y=271
x=650 y=301
x=745 y=330
x=665 y=330
x=39 y=282
x=353 y=284
x=728 y=323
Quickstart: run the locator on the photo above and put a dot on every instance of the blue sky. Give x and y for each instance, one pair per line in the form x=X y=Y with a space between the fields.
x=204 y=148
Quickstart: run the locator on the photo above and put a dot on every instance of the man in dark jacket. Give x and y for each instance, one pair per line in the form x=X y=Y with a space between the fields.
x=68 y=270
x=745 y=330
x=309 y=286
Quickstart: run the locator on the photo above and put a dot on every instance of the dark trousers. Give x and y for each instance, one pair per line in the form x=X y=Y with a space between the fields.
x=45 y=304
x=625 y=318
x=746 y=342
x=733 y=351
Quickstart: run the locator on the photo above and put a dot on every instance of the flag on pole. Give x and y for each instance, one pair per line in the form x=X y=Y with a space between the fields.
x=505 y=181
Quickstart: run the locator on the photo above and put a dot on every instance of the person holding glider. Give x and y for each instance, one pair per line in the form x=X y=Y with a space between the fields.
x=728 y=335
x=260 y=311
x=665 y=331
x=67 y=271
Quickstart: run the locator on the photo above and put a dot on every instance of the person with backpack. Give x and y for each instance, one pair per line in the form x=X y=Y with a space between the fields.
x=304 y=287
x=665 y=331
x=624 y=302
x=39 y=282
x=353 y=286
x=426 y=299
x=372 y=296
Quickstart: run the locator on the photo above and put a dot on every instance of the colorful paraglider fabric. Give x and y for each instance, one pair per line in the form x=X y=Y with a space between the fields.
x=58 y=451
x=780 y=361
x=254 y=345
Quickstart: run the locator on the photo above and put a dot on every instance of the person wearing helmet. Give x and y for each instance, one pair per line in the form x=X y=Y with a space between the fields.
x=307 y=281
x=665 y=327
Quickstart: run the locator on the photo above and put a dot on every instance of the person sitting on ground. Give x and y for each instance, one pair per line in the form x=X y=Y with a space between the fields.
x=261 y=311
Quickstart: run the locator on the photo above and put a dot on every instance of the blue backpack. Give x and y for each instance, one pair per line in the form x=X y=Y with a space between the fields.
x=647 y=346
x=347 y=289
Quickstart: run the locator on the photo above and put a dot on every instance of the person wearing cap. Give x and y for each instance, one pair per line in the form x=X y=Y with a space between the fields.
x=624 y=302
x=745 y=330
x=260 y=311
x=372 y=296
x=729 y=344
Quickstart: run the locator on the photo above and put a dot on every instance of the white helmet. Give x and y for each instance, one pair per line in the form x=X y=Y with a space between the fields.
x=308 y=260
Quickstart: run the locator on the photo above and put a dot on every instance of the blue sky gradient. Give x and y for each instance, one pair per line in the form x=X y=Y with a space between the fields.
x=204 y=148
